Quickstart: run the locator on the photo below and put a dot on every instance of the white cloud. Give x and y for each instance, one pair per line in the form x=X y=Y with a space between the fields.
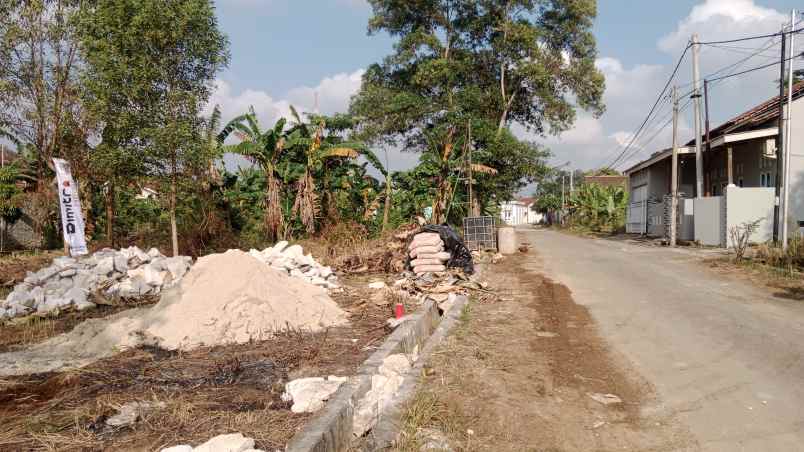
x=334 y=93
x=333 y=96
x=631 y=90
x=718 y=19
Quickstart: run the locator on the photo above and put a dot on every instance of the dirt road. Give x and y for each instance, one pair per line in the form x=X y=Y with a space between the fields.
x=520 y=374
x=724 y=356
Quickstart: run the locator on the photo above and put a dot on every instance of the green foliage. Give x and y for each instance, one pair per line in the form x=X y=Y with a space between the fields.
x=463 y=71
x=11 y=196
x=598 y=208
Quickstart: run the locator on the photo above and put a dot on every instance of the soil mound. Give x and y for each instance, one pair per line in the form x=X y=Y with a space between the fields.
x=224 y=298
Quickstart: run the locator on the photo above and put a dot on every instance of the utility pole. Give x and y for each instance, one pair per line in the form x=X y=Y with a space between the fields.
x=697 y=120
x=2 y=155
x=779 y=143
x=674 y=173
x=563 y=201
x=788 y=136
x=571 y=176
x=706 y=115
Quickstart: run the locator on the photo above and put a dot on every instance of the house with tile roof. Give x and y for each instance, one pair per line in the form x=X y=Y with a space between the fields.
x=739 y=178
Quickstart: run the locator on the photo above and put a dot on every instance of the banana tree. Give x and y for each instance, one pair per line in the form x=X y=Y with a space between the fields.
x=319 y=149
x=264 y=148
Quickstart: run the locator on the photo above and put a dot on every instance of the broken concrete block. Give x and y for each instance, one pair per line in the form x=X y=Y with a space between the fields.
x=105 y=266
x=120 y=263
x=233 y=442
x=309 y=394
x=177 y=266
x=377 y=285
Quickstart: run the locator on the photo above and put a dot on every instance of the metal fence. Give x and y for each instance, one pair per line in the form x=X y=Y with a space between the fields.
x=480 y=233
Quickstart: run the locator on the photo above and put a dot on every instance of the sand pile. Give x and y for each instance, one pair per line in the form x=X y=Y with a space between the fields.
x=233 y=297
x=224 y=298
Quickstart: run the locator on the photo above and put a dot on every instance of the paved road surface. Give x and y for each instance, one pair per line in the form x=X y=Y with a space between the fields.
x=724 y=356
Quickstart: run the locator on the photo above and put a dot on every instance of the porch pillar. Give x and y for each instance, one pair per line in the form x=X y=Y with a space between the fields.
x=730 y=167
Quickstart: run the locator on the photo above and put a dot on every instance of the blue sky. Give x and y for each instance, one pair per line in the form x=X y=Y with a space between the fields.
x=286 y=51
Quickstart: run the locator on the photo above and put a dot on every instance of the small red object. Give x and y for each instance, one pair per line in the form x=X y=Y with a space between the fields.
x=399 y=311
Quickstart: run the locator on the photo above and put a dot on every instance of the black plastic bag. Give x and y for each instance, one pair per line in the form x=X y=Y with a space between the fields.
x=460 y=256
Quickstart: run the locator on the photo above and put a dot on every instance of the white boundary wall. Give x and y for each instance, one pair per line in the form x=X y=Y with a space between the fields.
x=746 y=205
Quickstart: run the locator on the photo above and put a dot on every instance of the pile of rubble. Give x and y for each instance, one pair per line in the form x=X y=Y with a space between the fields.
x=129 y=273
x=293 y=261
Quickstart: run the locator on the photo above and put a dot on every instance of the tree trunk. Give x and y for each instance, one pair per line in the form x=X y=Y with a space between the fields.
x=387 y=209
x=174 y=235
x=110 y=212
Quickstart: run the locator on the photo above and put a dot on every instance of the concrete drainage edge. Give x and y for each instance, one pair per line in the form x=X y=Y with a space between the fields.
x=331 y=429
x=385 y=434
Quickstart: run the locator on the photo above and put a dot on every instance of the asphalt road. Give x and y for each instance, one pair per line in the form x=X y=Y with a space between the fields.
x=724 y=356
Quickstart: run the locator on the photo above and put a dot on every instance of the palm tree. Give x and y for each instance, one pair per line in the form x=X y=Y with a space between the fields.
x=265 y=149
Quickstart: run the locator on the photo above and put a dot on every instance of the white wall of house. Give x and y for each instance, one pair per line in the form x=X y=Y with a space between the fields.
x=796 y=206
x=518 y=213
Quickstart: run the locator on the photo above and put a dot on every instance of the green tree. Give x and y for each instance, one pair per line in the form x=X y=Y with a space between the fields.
x=149 y=69
x=265 y=148
x=481 y=65
x=11 y=199
x=39 y=100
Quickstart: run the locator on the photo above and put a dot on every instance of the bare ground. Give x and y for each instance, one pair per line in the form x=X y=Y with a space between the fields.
x=517 y=374
x=208 y=391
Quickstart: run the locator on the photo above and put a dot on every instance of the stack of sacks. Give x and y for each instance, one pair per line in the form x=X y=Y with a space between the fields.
x=427 y=253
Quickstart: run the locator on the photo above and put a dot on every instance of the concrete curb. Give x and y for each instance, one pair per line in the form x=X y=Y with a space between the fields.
x=331 y=429
x=385 y=434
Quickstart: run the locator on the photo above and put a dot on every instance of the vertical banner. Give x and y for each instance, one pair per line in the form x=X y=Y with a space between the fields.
x=71 y=220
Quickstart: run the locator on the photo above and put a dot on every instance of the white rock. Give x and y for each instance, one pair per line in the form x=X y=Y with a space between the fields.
x=177 y=266
x=37 y=295
x=384 y=385
x=63 y=262
x=68 y=272
x=293 y=252
x=309 y=394
x=105 y=266
x=296 y=273
x=76 y=295
x=605 y=399
x=130 y=412
x=31 y=278
x=149 y=275
x=154 y=253
x=377 y=285
x=120 y=263
x=279 y=246
x=325 y=272
x=179 y=448
x=20 y=296
x=233 y=442
x=319 y=282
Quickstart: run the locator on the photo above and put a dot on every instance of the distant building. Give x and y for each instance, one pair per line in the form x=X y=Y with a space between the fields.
x=519 y=211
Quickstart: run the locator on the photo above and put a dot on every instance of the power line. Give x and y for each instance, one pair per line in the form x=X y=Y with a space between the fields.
x=658 y=131
x=642 y=126
x=758 y=68
x=655 y=104
x=749 y=38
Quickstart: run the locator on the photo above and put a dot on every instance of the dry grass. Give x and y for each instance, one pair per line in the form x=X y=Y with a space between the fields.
x=206 y=392
x=34 y=328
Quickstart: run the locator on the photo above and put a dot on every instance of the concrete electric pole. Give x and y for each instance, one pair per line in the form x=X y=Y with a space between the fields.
x=696 y=95
x=674 y=173
x=788 y=136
